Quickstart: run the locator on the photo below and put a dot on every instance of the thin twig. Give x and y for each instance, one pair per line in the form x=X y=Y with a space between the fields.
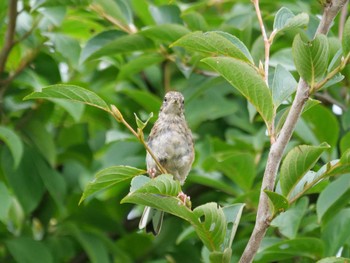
x=99 y=10
x=263 y=218
x=119 y=117
x=342 y=20
x=266 y=40
x=10 y=33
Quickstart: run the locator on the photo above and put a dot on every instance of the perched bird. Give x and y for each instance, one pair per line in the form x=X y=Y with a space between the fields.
x=171 y=142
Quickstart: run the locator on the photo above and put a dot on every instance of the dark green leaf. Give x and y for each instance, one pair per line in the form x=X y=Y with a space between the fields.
x=27 y=250
x=28 y=189
x=6 y=200
x=336 y=232
x=14 y=142
x=92 y=244
x=333 y=198
x=311 y=248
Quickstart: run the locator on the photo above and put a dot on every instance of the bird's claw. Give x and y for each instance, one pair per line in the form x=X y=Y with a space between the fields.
x=152 y=172
x=184 y=199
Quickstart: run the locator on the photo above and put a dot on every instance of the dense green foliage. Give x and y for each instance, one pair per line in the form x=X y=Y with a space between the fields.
x=61 y=145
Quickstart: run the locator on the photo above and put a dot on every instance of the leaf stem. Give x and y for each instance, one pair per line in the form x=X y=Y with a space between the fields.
x=331 y=74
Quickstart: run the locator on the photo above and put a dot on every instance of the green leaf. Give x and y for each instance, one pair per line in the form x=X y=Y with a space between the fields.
x=27 y=250
x=165 y=32
x=74 y=109
x=213 y=180
x=286 y=20
x=14 y=142
x=109 y=177
x=123 y=44
x=282 y=115
x=346 y=37
x=115 y=9
x=279 y=202
x=333 y=198
x=138 y=64
x=91 y=242
x=311 y=248
x=212 y=226
x=166 y=14
x=336 y=232
x=68 y=47
x=6 y=201
x=39 y=135
x=317 y=125
x=142 y=124
x=215 y=43
x=161 y=193
x=283 y=85
x=148 y=101
x=238 y=166
x=233 y=215
x=247 y=80
x=70 y=92
x=28 y=189
x=334 y=260
x=296 y=164
x=195 y=21
x=98 y=41
x=288 y=223
x=311 y=57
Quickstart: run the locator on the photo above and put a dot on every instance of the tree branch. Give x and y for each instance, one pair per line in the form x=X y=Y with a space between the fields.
x=263 y=218
x=10 y=33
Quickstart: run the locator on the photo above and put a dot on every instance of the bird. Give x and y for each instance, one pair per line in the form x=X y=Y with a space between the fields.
x=171 y=142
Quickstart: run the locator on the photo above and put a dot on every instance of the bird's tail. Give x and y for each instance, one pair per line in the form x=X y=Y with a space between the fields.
x=151 y=220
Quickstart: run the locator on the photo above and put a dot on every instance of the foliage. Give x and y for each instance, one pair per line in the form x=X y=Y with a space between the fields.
x=80 y=75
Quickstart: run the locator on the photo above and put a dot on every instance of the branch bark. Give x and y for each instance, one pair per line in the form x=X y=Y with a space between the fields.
x=263 y=219
x=10 y=33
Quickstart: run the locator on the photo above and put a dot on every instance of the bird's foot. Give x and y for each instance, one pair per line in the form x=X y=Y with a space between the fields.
x=152 y=172
x=185 y=199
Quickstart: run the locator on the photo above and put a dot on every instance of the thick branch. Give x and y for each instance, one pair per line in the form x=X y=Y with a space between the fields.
x=330 y=11
x=10 y=33
x=276 y=152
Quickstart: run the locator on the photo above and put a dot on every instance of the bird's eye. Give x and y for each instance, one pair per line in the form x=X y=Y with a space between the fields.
x=165 y=99
x=183 y=102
